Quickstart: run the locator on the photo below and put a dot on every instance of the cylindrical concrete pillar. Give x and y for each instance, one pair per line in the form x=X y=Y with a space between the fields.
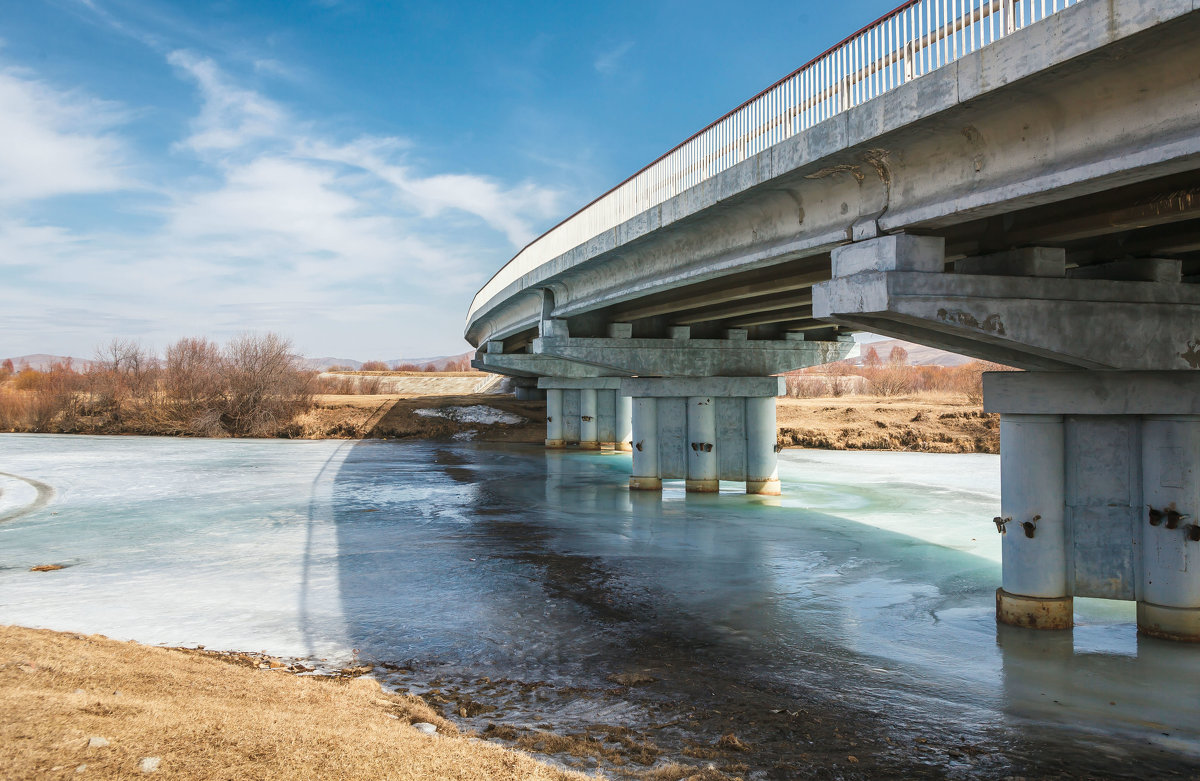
x=762 y=455
x=1035 y=593
x=554 y=417
x=587 y=419
x=623 y=427
x=645 y=475
x=702 y=445
x=1169 y=602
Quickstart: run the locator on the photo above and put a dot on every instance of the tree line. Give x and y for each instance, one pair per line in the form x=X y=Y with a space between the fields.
x=253 y=385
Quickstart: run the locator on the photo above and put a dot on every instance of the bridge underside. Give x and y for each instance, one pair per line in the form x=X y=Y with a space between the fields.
x=1036 y=204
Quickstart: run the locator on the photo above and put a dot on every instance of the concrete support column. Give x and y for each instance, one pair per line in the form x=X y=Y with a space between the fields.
x=702 y=472
x=645 y=475
x=1035 y=592
x=554 y=418
x=1169 y=605
x=587 y=419
x=623 y=423
x=762 y=455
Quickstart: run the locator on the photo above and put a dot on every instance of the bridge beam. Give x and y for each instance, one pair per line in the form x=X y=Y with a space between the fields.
x=1099 y=441
x=683 y=356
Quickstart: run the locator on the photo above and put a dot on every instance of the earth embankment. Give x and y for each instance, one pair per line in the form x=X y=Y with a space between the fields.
x=920 y=422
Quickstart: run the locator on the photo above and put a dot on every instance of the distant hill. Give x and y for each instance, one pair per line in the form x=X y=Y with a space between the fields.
x=918 y=355
x=42 y=361
x=439 y=361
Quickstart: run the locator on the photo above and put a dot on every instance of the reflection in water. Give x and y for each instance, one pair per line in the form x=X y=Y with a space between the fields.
x=866 y=588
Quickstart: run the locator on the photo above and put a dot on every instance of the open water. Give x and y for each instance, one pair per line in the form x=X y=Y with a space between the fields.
x=870 y=581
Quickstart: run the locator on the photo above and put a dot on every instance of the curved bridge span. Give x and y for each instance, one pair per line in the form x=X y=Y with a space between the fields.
x=1014 y=180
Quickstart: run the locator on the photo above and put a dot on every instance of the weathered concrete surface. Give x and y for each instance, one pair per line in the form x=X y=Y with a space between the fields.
x=1034 y=612
x=1025 y=322
x=527 y=365
x=1100 y=96
x=752 y=387
x=1092 y=393
x=691 y=357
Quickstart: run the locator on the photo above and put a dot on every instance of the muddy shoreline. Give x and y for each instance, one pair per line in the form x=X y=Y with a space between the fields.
x=638 y=726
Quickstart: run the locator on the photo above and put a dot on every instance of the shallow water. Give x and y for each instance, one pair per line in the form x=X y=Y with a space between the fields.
x=870 y=582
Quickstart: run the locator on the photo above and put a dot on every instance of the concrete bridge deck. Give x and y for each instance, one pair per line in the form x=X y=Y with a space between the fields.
x=1017 y=187
x=1078 y=132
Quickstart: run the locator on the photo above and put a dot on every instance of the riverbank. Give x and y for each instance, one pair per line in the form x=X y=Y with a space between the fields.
x=928 y=423
x=465 y=406
x=90 y=707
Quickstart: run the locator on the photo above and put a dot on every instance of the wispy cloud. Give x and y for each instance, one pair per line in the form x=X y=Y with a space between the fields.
x=284 y=225
x=607 y=62
x=56 y=142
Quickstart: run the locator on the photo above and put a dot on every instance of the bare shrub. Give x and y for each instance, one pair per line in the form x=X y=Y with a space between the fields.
x=122 y=380
x=193 y=371
x=335 y=385
x=375 y=366
x=804 y=386
x=968 y=378
x=27 y=379
x=14 y=409
x=894 y=379
x=41 y=401
x=265 y=386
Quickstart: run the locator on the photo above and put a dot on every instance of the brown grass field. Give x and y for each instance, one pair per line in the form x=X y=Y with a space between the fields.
x=205 y=718
x=922 y=422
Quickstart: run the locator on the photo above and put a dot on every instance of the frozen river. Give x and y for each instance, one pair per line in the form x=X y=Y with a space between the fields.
x=867 y=586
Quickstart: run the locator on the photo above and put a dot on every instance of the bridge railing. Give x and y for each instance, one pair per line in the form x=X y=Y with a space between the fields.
x=912 y=40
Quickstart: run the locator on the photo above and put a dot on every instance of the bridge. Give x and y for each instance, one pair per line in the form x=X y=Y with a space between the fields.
x=1014 y=180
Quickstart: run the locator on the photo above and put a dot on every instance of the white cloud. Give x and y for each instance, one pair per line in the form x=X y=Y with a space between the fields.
x=56 y=143
x=342 y=244
x=231 y=117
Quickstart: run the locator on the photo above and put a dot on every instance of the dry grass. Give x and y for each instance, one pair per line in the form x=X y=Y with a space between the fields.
x=925 y=422
x=207 y=719
x=395 y=416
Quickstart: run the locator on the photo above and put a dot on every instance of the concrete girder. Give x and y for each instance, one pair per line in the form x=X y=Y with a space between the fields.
x=1100 y=97
x=753 y=306
x=722 y=294
x=530 y=365
x=1025 y=322
x=691 y=357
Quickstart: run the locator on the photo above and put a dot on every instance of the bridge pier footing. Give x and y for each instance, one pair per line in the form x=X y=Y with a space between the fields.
x=703 y=430
x=1100 y=493
x=586 y=411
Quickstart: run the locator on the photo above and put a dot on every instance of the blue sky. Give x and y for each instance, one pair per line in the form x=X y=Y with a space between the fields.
x=345 y=173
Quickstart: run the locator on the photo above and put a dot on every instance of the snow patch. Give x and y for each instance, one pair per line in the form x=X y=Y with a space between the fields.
x=477 y=413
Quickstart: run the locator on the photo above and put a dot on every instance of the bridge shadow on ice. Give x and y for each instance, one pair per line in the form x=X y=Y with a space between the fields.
x=535 y=565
